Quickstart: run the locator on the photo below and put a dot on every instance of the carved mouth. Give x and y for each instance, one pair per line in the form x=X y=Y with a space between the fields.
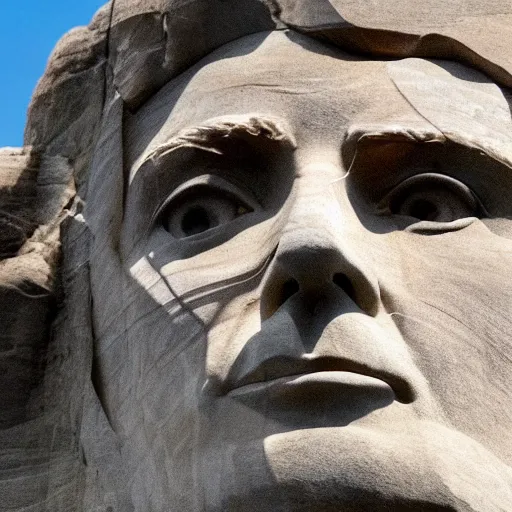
x=282 y=374
x=312 y=383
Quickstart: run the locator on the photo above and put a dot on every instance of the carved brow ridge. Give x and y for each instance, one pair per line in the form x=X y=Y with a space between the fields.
x=213 y=132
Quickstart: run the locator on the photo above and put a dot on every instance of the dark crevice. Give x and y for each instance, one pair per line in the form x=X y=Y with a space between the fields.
x=107 y=54
x=343 y=281
x=290 y=287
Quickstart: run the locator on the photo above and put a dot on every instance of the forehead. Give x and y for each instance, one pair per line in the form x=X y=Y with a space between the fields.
x=319 y=90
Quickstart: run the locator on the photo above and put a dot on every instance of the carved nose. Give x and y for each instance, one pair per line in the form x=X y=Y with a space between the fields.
x=309 y=262
x=290 y=287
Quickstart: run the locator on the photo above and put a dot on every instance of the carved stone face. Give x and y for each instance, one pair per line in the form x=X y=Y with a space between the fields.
x=314 y=308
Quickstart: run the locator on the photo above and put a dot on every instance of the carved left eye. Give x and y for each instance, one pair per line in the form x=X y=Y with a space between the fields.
x=433 y=197
x=203 y=204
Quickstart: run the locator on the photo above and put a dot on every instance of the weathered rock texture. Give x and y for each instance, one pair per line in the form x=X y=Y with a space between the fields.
x=358 y=191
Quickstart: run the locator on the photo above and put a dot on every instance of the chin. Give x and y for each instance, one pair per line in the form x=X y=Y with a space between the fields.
x=421 y=466
x=416 y=466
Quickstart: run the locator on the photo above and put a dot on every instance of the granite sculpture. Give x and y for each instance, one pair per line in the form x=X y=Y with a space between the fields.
x=257 y=256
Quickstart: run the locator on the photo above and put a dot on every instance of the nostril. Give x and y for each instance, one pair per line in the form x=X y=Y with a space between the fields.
x=276 y=296
x=345 y=284
x=290 y=287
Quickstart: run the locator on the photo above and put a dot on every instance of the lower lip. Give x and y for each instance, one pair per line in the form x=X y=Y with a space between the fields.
x=319 y=382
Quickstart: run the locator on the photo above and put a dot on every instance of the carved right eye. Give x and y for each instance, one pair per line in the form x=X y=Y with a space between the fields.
x=203 y=204
x=433 y=197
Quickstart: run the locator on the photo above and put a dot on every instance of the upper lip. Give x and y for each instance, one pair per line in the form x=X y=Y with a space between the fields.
x=278 y=367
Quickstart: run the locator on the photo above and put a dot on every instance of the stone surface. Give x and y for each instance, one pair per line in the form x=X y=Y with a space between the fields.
x=256 y=255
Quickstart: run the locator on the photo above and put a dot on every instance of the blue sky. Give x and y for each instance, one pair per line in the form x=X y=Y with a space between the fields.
x=28 y=32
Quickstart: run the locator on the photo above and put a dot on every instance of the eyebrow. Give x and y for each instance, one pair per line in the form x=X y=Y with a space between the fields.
x=359 y=133
x=214 y=133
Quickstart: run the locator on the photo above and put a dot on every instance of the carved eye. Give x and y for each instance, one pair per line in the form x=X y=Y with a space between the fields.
x=433 y=197
x=203 y=204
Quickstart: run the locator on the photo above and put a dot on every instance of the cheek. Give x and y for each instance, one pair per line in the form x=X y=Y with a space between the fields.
x=466 y=274
x=209 y=281
x=217 y=291
x=453 y=310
